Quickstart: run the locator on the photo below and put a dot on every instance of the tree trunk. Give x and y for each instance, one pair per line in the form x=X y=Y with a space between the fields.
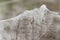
x=36 y=24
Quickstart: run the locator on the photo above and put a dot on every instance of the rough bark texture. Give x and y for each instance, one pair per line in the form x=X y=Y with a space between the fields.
x=36 y=24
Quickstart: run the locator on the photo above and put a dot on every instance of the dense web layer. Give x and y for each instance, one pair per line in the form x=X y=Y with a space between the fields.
x=37 y=24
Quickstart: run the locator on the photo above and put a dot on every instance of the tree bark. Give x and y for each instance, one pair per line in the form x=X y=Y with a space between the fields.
x=36 y=24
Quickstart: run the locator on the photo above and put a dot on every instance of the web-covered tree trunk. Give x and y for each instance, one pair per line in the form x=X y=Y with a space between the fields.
x=36 y=24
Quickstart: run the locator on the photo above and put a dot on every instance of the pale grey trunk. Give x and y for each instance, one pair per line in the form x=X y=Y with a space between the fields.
x=37 y=24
